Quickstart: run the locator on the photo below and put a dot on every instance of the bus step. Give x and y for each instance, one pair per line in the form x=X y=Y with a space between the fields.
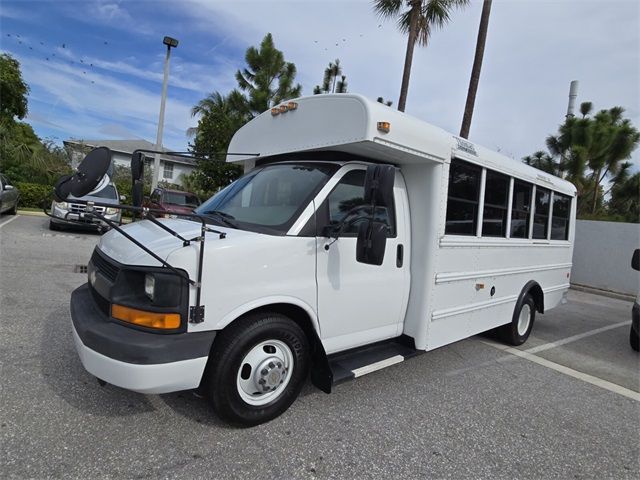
x=370 y=358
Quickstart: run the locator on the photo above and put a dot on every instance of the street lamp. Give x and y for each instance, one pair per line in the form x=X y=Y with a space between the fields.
x=169 y=42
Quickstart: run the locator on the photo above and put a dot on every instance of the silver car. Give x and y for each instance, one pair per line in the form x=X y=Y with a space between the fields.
x=9 y=196
x=70 y=213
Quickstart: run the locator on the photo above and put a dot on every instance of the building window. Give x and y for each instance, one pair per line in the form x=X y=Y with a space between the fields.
x=168 y=171
x=496 y=198
x=520 y=209
x=462 y=198
x=560 y=217
x=541 y=213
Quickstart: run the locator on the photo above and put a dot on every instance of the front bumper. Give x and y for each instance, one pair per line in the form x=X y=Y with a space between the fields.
x=136 y=360
x=65 y=217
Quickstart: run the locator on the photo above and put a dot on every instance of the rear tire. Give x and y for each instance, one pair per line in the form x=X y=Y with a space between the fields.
x=257 y=368
x=634 y=339
x=14 y=210
x=517 y=332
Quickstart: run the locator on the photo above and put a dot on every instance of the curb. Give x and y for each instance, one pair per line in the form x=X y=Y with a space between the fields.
x=605 y=293
x=31 y=213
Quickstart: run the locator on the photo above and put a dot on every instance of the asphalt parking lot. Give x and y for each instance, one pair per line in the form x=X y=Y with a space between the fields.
x=568 y=407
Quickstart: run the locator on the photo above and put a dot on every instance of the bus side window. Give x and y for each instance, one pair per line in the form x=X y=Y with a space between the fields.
x=520 y=209
x=496 y=198
x=462 y=198
x=560 y=217
x=541 y=213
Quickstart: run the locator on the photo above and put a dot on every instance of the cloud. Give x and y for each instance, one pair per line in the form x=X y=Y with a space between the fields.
x=82 y=101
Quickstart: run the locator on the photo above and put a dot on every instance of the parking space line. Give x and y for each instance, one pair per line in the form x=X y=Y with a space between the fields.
x=8 y=221
x=564 y=341
x=599 y=382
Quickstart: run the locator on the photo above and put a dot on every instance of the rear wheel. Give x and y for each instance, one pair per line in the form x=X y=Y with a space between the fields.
x=257 y=368
x=517 y=332
x=14 y=210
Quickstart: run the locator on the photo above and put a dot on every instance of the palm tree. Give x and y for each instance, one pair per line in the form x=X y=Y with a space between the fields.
x=475 y=70
x=267 y=80
x=418 y=21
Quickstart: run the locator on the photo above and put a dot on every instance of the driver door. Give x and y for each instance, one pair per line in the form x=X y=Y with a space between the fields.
x=359 y=303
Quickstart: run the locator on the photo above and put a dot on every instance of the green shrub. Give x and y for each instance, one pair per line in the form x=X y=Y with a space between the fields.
x=33 y=194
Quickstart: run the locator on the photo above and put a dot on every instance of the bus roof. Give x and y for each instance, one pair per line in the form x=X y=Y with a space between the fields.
x=354 y=124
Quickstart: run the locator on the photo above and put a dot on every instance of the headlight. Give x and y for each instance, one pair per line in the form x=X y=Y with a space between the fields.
x=111 y=211
x=62 y=205
x=149 y=285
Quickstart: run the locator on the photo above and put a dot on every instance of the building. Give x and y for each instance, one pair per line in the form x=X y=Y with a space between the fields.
x=171 y=166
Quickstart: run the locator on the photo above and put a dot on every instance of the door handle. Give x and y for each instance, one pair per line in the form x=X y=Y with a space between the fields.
x=399 y=255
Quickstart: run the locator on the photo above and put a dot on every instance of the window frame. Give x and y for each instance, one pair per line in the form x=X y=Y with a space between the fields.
x=164 y=170
x=568 y=218
x=548 y=213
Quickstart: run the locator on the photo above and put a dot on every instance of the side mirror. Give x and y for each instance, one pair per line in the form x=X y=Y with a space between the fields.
x=123 y=198
x=137 y=166
x=372 y=235
x=8 y=187
x=635 y=260
x=372 y=241
x=378 y=185
x=137 y=193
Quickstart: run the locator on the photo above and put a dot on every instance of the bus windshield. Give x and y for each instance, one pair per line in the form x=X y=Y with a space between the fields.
x=270 y=198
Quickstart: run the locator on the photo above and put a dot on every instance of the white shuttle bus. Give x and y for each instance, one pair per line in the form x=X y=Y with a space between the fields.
x=358 y=237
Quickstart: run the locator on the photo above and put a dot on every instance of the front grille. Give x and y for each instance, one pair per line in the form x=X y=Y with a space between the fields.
x=81 y=208
x=104 y=266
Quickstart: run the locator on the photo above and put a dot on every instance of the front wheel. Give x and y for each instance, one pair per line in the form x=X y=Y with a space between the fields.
x=517 y=332
x=257 y=368
x=634 y=339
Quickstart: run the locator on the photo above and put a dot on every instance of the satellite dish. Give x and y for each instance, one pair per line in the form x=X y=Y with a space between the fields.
x=87 y=177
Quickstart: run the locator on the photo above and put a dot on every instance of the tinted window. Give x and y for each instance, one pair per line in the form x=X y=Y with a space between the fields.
x=346 y=204
x=462 y=199
x=496 y=197
x=541 y=213
x=520 y=209
x=560 y=217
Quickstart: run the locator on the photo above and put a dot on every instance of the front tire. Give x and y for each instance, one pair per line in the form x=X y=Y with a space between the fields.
x=517 y=332
x=257 y=368
x=53 y=226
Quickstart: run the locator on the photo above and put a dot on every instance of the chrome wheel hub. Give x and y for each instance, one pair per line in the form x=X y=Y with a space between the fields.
x=264 y=372
x=524 y=319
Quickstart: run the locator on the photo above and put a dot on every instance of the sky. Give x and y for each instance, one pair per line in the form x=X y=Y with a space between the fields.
x=94 y=68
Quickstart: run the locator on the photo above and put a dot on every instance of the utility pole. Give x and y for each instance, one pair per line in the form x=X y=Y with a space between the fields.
x=169 y=42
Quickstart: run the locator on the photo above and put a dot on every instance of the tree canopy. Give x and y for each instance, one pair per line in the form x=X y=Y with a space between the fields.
x=591 y=151
x=14 y=89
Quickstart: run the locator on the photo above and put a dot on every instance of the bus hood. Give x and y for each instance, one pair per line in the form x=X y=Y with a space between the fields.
x=159 y=241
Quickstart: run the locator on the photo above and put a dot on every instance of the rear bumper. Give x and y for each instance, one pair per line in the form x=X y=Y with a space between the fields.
x=133 y=359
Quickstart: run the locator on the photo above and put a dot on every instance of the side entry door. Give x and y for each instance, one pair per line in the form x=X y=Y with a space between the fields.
x=359 y=303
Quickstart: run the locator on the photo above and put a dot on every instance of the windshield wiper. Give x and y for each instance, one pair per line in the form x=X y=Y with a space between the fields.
x=223 y=217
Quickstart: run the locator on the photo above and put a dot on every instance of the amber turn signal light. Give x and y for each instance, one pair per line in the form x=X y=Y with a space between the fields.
x=384 y=127
x=166 y=321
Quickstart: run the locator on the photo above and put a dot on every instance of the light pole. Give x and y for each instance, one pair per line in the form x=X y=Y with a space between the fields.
x=169 y=42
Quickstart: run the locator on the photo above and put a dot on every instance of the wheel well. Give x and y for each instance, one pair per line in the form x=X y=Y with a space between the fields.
x=538 y=296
